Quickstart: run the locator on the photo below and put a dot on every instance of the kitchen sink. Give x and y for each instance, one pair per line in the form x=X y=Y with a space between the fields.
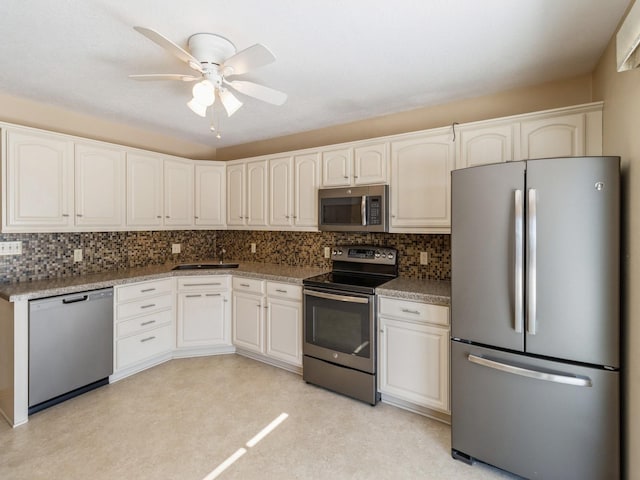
x=204 y=266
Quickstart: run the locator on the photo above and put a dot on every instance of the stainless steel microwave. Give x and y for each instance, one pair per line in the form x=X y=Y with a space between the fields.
x=354 y=209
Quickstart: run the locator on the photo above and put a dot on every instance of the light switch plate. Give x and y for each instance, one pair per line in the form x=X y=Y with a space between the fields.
x=327 y=252
x=175 y=248
x=253 y=248
x=77 y=255
x=10 y=248
x=424 y=258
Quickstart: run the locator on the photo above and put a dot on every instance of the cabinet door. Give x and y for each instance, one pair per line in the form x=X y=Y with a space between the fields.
x=257 y=191
x=178 y=193
x=284 y=330
x=202 y=319
x=305 y=197
x=235 y=195
x=99 y=186
x=336 y=167
x=280 y=192
x=562 y=136
x=483 y=145
x=421 y=183
x=39 y=181
x=370 y=164
x=414 y=363
x=210 y=195
x=144 y=190
x=247 y=321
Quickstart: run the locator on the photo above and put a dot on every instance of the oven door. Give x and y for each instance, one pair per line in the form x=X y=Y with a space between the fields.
x=339 y=327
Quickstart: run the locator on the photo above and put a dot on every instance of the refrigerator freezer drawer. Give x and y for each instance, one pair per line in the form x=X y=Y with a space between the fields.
x=535 y=418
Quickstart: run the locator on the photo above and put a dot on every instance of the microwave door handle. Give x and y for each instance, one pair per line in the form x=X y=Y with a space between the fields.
x=363 y=208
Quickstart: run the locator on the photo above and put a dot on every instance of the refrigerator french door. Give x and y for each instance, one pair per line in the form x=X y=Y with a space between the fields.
x=535 y=317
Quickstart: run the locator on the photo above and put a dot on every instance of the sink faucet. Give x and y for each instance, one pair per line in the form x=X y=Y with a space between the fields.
x=222 y=252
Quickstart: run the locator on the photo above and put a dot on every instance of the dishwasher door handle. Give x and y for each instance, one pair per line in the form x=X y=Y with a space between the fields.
x=74 y=300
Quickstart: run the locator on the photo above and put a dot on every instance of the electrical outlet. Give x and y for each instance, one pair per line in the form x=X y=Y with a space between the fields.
x=77 y=255
x=327 y=252
x=10 y=248
x=253 y=248
x=176 y=247
x=424 y=258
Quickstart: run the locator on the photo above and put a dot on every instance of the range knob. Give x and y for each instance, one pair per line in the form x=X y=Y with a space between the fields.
x=335 y=252
x=339 y=252
x=377 y=254
x=390 y=256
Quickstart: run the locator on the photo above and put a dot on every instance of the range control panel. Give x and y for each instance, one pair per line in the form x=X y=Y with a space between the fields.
x=365 y=254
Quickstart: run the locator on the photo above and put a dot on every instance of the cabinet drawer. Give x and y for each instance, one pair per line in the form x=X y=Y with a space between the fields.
x=144 y=345
x=284 y=290
x=250 y=285
x=414 y=311
x=143 y=290
x=143 y=323
x=210 y=282
x=147 y=305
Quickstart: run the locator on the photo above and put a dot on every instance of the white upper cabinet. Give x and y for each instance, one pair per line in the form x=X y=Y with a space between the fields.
x=236 y=195
x=257 y=194
x=210 y=195
x=144 y=190
x=178 y=193
x=421 y=183
x=558 y=136
x=359 y=164
x=484 y=144
x=306 y=180
x=99 y=186
x=281 y=192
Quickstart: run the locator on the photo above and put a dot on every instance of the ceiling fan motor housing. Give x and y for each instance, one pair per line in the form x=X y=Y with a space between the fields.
x=211 y=48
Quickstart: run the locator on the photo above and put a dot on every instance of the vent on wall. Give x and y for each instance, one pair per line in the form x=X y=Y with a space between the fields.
x=628 y=40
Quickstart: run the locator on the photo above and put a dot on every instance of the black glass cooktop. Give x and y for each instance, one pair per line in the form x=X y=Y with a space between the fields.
x=347 y=281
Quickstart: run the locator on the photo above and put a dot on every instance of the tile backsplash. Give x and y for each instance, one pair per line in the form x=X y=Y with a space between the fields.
x=50 y=255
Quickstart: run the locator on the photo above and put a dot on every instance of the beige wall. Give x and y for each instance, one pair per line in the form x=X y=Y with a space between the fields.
x=621 y=119
x=573 y=91
x=48 y=117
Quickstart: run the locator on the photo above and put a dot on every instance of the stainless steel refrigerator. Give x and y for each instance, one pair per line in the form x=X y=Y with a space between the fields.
x=535 y=381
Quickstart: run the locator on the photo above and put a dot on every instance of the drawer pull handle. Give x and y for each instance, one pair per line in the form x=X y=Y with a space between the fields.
x=280 y=290
x=245 y=285
x=148 y=306
x=193 y=296
x=147 y=339
x=213 y=294
x=147 y=323
x=201 y=284
x=146 y=290
x=414 y=312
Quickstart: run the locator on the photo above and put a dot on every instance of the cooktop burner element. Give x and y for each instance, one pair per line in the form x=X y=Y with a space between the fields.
x=358 y=268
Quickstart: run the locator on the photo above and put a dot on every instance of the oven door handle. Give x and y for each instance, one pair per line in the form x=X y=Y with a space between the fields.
x=333 y=296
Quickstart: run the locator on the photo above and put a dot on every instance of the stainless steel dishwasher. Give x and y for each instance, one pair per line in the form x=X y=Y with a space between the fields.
x=70 y=346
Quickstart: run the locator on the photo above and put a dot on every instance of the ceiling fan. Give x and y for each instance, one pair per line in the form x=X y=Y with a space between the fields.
x=215 y=58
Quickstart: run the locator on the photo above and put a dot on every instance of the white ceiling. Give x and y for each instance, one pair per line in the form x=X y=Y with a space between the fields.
x=339 y=60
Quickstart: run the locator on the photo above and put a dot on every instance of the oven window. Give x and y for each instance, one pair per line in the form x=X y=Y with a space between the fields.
x=345 y=329
x=342 y=211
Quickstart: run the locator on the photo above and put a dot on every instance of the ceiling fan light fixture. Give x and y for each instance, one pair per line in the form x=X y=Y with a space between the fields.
x=197 y=108
x=229 y=101
x=204 y=93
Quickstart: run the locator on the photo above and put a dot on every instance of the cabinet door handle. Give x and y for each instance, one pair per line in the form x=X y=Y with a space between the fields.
x=202 y=284
x=145 y=290
x=78 y=214
x=65 y=214
x=245 y=285
x=147 y=339
x=159 y=216
x=196 y=217
x=345 y=176
x=213 y=294
x=414 y=312
x=193 y=296
x=147 y=323
x=148 y=306
x=279 y=290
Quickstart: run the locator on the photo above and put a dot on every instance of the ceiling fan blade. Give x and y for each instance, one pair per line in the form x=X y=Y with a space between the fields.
x=229 y=101
x=266 y=94
x=165 y=76
x=170 y=47
x=253 y=57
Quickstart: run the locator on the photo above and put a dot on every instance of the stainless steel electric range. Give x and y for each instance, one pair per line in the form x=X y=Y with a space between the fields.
x=340 y=320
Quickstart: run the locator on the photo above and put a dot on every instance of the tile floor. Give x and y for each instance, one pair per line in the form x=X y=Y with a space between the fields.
x=180 y=420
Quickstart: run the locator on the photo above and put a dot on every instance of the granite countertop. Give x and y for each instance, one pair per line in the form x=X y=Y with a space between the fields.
x=437 y=292
x=61 y=286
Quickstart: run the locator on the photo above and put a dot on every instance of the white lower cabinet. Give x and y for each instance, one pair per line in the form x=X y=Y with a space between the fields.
x=144 y=325
x=413 y=360
x=267 y=321
x=203 y=315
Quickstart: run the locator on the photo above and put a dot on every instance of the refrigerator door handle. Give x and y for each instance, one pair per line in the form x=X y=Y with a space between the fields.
x=363 y=210
x=526 y=372
x=531 y=261
x=518 y=320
